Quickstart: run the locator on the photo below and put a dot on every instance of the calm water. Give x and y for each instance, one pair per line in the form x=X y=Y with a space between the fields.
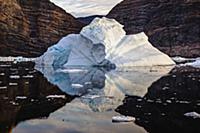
x=48 y=100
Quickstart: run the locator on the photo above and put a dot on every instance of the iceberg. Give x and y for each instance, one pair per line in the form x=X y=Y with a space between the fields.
x=104 y=43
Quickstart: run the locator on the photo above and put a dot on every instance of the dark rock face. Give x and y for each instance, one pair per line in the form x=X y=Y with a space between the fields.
x=29 y=27
x=171 y=25
x=162 y=109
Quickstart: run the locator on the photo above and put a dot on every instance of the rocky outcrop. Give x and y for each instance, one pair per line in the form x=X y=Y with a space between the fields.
x=171 y=25
x=29 y=27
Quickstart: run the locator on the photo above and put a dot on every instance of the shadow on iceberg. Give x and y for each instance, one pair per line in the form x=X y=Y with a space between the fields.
x=164 y=106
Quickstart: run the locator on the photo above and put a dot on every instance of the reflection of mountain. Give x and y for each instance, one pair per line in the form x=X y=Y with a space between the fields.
x=23 y=96
x=163 y=107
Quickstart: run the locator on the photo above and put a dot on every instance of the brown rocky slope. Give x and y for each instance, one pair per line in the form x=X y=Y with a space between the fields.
x=173 y=26
x=29 y=27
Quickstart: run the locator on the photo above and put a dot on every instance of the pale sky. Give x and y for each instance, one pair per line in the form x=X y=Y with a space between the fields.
x=82 y=8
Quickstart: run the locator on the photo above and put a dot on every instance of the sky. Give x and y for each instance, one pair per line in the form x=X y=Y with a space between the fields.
x=83 y=8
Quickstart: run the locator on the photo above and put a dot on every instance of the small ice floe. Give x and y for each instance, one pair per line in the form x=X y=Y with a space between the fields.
x=77 y=86
x=21 y=97
x=182 y=59
x=14 y=103
x=16 y=59
x=13 y=84
x=195 y=63
x=123 y=119
x=2 y=74
x=14 y=77
x=3 y=87
x=183 y=102
x=56 y=96
x=194 y=115
x=28 y=76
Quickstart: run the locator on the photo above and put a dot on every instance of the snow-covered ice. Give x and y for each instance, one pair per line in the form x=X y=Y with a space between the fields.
x=101 y=43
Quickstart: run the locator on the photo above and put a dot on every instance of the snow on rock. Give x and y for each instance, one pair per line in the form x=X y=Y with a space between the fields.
x=194 y=115
x=101 y=42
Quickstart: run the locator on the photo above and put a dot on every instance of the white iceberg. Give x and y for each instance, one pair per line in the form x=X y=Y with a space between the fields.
x=102 y=42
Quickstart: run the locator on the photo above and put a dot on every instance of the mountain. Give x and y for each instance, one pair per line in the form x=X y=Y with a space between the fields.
x=29 y=27
x=171 y=25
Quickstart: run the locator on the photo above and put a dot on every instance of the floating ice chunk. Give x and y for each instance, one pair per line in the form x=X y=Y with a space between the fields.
x=28 y=76
x=123 y=119
x=56 y=96
x=13 y=84
x=182 y=59
x=14 y=76
x=3 y=87
x=196 y=63
x=194 y=115
x=16 y=59
x=21 y=97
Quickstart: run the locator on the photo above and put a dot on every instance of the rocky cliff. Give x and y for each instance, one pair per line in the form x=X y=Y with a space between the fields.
x=29 y=27
x=171 y=25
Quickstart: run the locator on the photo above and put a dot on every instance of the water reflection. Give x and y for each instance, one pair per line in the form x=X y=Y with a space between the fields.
x=25 y=94
x=92 y=94
x=163 y=107
x=74 y=81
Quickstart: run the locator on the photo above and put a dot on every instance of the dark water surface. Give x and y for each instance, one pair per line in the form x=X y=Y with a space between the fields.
x=50 y=100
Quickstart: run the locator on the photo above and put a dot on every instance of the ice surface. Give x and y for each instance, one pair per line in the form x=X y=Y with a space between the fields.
x=102 y=41
x=104 y=31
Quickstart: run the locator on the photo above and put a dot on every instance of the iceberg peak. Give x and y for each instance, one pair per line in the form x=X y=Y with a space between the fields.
x=104 y=31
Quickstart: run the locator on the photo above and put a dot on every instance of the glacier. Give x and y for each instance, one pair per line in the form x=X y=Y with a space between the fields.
x=104 y=43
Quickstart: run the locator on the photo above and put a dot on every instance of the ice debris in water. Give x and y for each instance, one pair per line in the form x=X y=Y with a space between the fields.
x=194 y=115
x=123 y=119
x=104 y=43
x=196 y=63
x=16 y=59
x=56 y=96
